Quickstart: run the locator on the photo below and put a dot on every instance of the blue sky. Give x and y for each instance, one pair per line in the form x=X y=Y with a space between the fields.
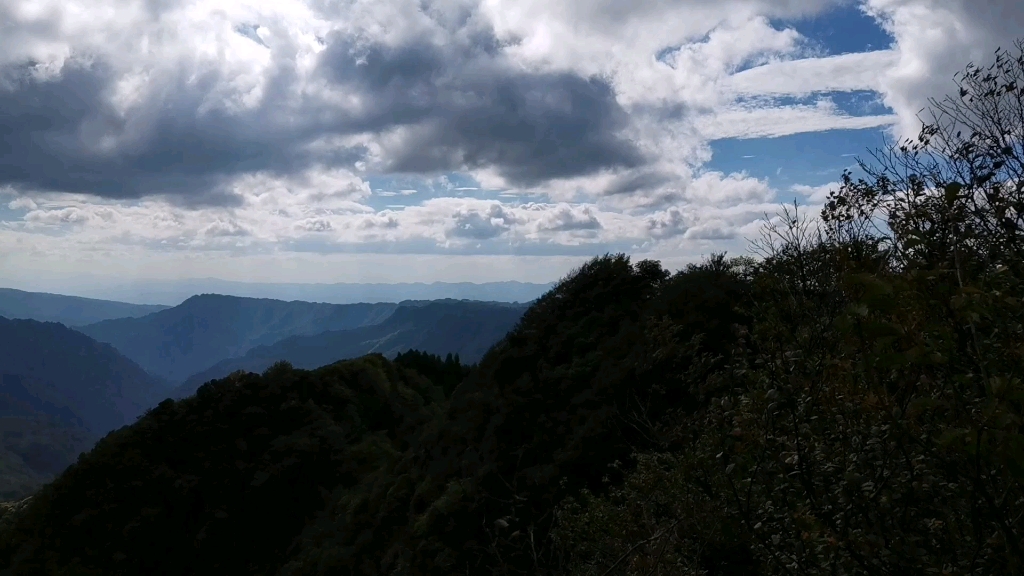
x=444 y=140
x=816 y=158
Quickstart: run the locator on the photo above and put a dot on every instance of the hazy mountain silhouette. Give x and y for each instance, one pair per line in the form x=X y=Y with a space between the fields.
x=101 y=386
x=174 y=292
x=465 y=328
x=25 y=396
x=205 y=329
x=68 y=310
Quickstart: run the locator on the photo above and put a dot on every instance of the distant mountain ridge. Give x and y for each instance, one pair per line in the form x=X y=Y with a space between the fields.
x=174 y=292
x=68 y=310
x=177 y=342
x=465 y=328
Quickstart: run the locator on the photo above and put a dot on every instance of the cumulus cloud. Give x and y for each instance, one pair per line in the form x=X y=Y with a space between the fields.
x=220 y=228
x=669 y=223
x=804 y=76
x=934 y=41
x=181 y=99
x=565 y=218
x=712 y=231
x=117 y=127
x=816 y=194
x=315 y=225
x=718 y=189
x=481 y=224
x=22 y=204
x=70 y=215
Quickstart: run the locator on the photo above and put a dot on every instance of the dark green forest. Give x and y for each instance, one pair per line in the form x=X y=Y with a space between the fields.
x=847 y=402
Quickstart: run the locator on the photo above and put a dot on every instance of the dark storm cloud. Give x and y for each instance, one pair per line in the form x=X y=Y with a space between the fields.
x=52 y=129
x=467 y=110
x=474 y=112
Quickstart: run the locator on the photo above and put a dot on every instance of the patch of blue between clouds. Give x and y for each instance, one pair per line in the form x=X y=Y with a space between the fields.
x=250 y=31
x=815 y=158
x=859 y=103
x=852 y=103
x=812 y=159
x=842 y=30
x=396 y=192
x=8 y=215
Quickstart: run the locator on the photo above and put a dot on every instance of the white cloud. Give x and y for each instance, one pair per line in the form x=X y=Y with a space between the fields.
x=481 y=224
x=935 y=40
x=804 y=76
x=315 y=225
x=719 y=190
x=69 y=215
x=22 y=204
x=221 y=228
x=816 y=194
x=759 y=121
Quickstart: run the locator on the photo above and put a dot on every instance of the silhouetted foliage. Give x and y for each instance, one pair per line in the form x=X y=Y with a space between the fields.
x=869 y=421
x=223 y=481
x=446 y=373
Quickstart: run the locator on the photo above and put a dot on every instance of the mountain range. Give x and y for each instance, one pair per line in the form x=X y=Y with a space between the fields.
x=63 y=388
x=465 y=329
x=173 y=292
x=178 y=342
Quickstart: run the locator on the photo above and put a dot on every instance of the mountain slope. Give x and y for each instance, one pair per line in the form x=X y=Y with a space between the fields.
x=41 y=435
x=68 y=310
x=205 y=329
x=363 y=468
x=60 y=391
x=102 y=387
x=189 y=489
x=468 y=329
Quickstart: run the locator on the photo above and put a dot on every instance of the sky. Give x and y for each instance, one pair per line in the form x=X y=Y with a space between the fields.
x=443 y=140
